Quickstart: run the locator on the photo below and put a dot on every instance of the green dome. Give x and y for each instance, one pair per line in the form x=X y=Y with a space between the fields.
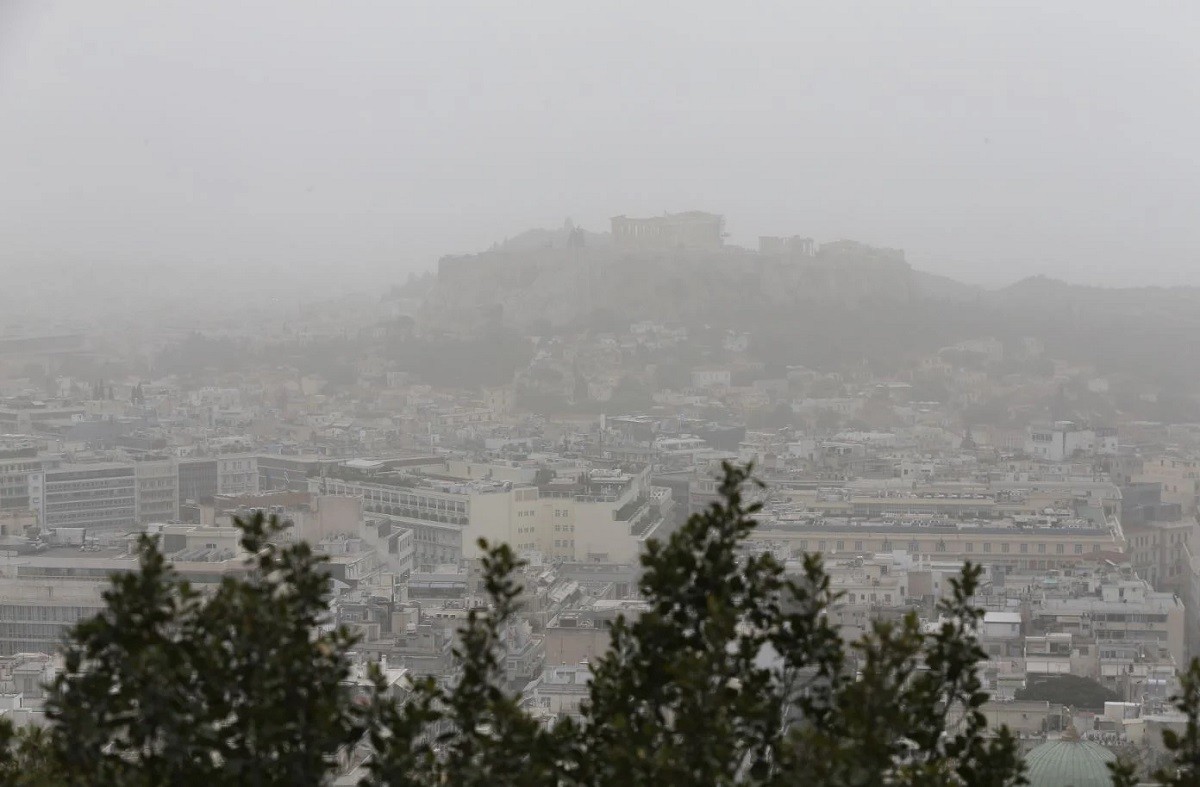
x=1069 y=763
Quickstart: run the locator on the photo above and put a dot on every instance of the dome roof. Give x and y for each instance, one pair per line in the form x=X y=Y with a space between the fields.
x=1069 y=762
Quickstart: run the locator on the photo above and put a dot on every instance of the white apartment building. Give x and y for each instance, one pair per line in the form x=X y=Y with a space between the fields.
x=1059 y=441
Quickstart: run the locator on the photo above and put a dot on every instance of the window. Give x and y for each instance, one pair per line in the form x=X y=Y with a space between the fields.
x=1059 y=549
x=987 y=546
x=1079 y=549
x=841 y=545
x=1004 y=547
x=968 y=547
x=1024 y=549
x=858 y=545
x=1041 y=549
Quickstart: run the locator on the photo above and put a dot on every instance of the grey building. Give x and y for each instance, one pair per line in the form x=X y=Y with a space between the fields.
x=197 y=480
x=98 y=496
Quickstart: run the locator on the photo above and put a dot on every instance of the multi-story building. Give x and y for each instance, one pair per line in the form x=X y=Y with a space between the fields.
x=97 y=496
x=34 y=615
x=197 y=480
x=18 y=461
x=1160 y=552
x=157 y=490
x=237 y=475
x=1179 y=480
x=1061 y=440
x=559 y=692
x=277 y=472
x=597 y=515
x=1121 y=612
x=1001 y=543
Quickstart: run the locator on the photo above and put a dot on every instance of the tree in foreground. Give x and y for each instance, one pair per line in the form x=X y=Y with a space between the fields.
x=171 y=686
x=732 y=675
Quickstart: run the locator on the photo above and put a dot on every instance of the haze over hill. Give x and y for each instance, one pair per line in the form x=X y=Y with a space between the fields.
x=993 y=141
x=832 y=304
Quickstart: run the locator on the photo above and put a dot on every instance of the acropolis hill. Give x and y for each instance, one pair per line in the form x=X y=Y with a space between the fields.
x=674 y=267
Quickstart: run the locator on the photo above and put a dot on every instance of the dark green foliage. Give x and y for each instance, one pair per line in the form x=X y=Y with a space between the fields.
x=680 y=698
x=1124 y=773
x=27 y=759
x=1074 y=690
x=169 y=686
x=1185 y=748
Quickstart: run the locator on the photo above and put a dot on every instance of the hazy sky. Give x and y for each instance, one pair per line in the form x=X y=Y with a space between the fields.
x=991 y=141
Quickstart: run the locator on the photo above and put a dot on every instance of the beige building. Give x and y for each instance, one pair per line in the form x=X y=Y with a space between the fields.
x=1159 y=552
x=1002 y=543
x=1180 y=480
x=591 y=515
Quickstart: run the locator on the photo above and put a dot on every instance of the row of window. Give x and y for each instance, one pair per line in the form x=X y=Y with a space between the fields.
x=11 y=612
x=941 y=546
x=863 y=598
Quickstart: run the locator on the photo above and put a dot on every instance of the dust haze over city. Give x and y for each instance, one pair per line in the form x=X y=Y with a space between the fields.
x=404 y=276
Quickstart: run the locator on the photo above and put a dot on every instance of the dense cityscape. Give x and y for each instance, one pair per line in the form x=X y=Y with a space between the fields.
x=580 y=444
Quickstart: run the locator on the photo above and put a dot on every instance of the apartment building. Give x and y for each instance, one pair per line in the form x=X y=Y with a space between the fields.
x=1160 y=551
x=1179 y=478
x=1121 y=612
